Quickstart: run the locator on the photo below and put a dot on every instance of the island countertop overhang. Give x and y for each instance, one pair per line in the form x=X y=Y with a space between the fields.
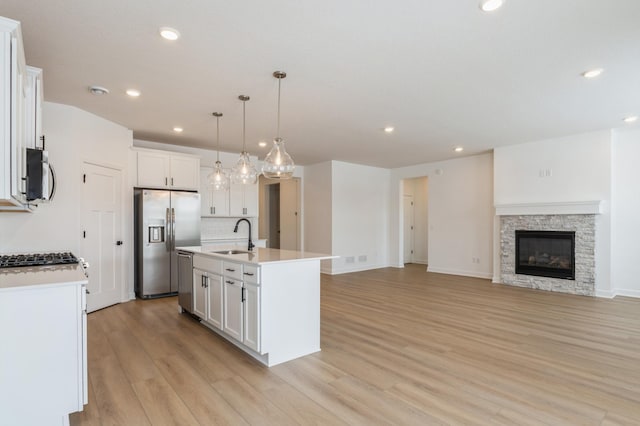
x=258 y=256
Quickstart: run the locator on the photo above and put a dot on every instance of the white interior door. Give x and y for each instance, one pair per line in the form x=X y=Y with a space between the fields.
x=408 y=228
x=290 y=214
x=101 y=221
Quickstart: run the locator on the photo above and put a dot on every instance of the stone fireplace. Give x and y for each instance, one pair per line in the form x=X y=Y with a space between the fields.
x=546 y=263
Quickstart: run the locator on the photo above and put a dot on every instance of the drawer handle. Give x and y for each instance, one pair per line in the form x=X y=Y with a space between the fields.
x=230 y=282
x=249 y=273
x=231 y=270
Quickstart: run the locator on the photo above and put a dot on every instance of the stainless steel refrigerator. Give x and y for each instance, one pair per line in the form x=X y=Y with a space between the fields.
x=163 y=221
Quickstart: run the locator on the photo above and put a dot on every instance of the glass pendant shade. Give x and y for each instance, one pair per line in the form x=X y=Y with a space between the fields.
x=278 y=163
x=244 y=172
x=218 y=179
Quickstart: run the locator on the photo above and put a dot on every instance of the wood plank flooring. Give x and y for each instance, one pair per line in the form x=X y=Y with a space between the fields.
x=399 y=346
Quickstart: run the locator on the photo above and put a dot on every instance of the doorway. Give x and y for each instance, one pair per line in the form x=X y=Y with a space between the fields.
x=279 y=217
x=101 y=244
x=415 y=215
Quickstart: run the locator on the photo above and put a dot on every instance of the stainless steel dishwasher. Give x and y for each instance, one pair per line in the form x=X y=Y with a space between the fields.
x=185 y=280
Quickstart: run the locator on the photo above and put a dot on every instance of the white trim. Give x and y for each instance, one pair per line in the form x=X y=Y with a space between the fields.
x=569 y=207
x=496 y=279
x=473 y=274
x=627 y=292
x=606 y=294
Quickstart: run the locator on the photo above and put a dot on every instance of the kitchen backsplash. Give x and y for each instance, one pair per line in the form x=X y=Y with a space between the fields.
x=221 y=228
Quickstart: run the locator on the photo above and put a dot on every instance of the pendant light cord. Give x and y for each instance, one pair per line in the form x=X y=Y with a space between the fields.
x=244 y=124
x=278 y=129
x=218 y=138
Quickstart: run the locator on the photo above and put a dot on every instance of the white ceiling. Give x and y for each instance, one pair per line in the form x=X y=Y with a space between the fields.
x=443 y=73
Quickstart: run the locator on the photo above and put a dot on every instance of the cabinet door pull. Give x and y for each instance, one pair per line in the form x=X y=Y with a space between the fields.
x=171 y=181
x=206 y=282
x=249 y=273
x=231 y=270
x=166 y=181
x=214 y=210
x=243 y=298
x=211 y=210
x=230 y=282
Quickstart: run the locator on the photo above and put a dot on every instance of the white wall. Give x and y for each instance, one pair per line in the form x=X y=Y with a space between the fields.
x=317 y=207
x=460 y=211
x=360 y=200
x=73 y=136
x=574 y=168
x=625 y=209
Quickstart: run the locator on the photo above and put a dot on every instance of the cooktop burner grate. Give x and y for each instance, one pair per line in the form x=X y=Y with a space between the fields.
x=37 y=259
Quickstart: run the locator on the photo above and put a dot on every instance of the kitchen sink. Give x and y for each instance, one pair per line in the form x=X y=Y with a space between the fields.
x=230 y=252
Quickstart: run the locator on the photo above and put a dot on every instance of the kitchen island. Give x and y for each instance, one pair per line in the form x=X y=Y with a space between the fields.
x=266 y=302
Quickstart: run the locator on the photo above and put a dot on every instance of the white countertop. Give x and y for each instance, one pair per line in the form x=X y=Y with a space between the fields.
x=26 y=276
x=258 y=256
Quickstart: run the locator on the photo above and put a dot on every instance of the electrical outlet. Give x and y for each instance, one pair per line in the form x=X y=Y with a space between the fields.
x=349 y=259
x=362 y=258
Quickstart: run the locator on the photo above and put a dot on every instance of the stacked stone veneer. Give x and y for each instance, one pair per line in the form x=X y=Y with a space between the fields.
x=584 y=226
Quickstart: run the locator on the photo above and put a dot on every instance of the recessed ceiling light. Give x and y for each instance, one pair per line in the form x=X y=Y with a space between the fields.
x=458 y=149
x=389 y=129
x=178 y=129
x=491 y=5
x=169 y=33
x=262 y=144
x=592 y=73
x=98 y=90
x=133 y=93
x=631 y=119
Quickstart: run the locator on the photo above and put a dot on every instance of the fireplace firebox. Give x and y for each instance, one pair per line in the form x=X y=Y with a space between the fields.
x=546 y=253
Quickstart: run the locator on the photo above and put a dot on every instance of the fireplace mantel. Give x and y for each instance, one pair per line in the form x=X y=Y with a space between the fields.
x=570 y=207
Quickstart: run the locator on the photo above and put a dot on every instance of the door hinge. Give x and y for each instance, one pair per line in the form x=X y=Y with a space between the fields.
x=84 y=178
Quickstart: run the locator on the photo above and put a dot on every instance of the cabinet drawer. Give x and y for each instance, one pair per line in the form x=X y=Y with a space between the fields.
x=207 y=264
x=251 y=274
x=232 y=270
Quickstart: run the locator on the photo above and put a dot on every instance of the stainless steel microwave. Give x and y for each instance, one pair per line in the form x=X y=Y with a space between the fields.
x=39 y=172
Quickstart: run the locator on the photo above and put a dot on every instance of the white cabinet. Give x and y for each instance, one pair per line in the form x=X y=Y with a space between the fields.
x=33 y=107
x=233 y=303
x=160 y=169
x=13 y=107
x=243 y=201
x=215 y=299
x=199 y=293
x=208 y=290
x=212 y=203
x=44 y=353
x=251 y=315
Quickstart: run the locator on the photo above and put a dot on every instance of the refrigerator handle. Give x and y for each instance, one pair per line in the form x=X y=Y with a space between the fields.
x=169 y=230
x=173 y=227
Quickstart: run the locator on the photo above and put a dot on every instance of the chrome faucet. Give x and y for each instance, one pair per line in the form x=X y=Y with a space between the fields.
x=251 y=246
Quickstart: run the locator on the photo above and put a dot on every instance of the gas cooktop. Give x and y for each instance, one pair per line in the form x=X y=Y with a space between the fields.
x=37 y=259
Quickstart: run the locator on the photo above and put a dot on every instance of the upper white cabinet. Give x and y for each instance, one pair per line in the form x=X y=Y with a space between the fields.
x=167 y=170
x=13 y=117
x=213 y=203
x=33 y=108
x=238 y=201
x=243 y=200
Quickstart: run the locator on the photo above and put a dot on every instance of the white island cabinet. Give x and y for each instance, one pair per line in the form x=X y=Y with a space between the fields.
x=266 y=302
x=43 y=349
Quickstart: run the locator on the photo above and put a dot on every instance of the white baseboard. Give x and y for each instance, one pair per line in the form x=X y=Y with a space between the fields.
x=627 y=292
x=496 y=279
x=607 y=294
x=354 y=269
x=474 y=274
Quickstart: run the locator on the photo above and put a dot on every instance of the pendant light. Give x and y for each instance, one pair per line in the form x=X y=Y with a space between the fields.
x=218 y=179
x=244 y=172
x=278 y=163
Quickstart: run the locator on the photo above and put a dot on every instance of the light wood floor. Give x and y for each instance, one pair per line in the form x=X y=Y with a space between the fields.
x=399 y=346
